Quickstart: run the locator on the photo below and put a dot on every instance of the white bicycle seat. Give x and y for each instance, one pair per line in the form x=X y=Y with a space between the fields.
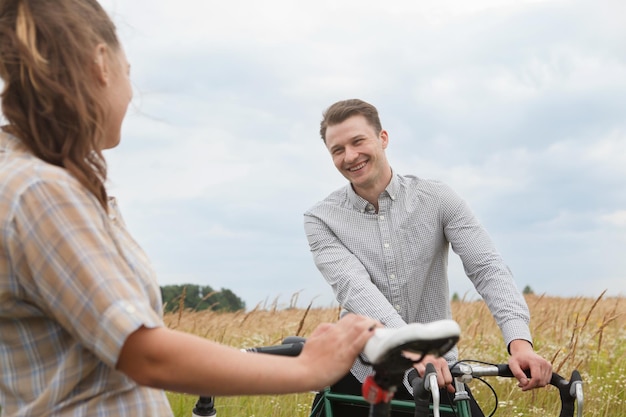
x=436 y=337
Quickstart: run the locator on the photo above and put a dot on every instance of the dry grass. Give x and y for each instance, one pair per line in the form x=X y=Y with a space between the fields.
x=574 y=333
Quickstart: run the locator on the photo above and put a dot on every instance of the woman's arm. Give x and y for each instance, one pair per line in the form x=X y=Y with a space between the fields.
x=177 y=361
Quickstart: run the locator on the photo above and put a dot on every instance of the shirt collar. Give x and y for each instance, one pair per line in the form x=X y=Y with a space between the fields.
x=8 y=142
x=362 y=205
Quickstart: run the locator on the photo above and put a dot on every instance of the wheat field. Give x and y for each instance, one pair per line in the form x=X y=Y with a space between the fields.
x=587 y=334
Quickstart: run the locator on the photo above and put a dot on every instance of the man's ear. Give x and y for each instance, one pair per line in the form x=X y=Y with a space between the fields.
x=384 y=137
x=101 y=64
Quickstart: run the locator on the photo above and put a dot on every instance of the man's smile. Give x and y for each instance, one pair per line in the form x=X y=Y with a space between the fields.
x=357 y=167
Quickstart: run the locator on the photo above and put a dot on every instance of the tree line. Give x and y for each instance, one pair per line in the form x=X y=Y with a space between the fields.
x=198 y=298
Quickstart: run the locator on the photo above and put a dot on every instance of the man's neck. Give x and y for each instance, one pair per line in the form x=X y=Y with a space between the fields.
x=371 y=194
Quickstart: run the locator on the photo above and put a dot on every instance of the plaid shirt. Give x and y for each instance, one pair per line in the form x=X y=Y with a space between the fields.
x=392 y=265
x=73 y=286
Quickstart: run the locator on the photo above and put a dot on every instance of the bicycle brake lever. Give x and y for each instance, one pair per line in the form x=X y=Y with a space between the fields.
x=576 y=391
x=430 y=377
x=430 y=384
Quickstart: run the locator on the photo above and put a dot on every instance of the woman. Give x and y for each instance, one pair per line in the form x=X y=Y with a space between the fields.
x=81 y=331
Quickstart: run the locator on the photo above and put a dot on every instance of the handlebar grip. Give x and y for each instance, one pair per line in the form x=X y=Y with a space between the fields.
x=421 y=393
x=565 y=391
x=564 y=387
x=293 y=339
x=505 y=371
x=289 y=349
x=420 y=390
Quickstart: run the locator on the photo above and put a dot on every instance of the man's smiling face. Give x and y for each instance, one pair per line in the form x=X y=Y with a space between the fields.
x=358 y=152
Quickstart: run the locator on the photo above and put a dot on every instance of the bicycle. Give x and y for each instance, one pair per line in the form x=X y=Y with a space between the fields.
x=384 y=352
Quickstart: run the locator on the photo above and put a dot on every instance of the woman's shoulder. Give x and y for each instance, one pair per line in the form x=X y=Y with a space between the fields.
x=21 y=173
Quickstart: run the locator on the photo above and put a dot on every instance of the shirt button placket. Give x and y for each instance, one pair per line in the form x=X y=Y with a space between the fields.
x=388 y=253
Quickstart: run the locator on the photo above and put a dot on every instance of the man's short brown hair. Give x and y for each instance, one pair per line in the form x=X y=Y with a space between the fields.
x=342 y=110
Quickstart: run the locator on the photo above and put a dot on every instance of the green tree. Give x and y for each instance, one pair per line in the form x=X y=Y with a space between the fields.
x=528 y=290
x=198 y=298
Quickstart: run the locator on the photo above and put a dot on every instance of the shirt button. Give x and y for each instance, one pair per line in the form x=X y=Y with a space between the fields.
x=130 y=309
x=382 y=217
x=386 y=245
x=397 y=308
x=392 y=276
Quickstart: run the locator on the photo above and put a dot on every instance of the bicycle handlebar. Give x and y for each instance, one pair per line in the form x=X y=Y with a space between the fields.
x=384 y=350
x=570 y=392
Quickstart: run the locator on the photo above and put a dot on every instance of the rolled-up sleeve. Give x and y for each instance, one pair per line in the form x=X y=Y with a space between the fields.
x=120 y=320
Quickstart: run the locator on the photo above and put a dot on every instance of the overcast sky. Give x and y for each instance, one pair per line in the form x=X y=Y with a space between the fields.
x=518 y=105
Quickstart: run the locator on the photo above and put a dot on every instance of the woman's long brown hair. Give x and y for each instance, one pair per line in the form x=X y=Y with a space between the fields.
x=50 y=95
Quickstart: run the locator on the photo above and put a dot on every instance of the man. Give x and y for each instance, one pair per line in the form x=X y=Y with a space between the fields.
x=382 y=243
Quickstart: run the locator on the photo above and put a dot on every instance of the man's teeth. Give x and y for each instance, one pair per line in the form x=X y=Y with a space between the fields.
x=356 y=168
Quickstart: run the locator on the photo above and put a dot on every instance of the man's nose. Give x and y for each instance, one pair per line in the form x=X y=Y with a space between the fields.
x=351 y=154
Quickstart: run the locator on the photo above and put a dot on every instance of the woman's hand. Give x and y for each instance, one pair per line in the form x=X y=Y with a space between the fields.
x=331 y=349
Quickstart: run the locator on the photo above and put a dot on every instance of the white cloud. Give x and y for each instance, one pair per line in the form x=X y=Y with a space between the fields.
x=616 y=218
x=610 y=153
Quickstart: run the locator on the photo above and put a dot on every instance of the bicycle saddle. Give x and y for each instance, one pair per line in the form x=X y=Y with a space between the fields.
x=387 y=344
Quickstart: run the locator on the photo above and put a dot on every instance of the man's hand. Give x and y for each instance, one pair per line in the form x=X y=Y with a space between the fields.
x=523 y=357
x=444 y=377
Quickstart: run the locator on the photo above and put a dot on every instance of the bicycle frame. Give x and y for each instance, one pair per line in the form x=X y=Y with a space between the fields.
x=329 y=398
